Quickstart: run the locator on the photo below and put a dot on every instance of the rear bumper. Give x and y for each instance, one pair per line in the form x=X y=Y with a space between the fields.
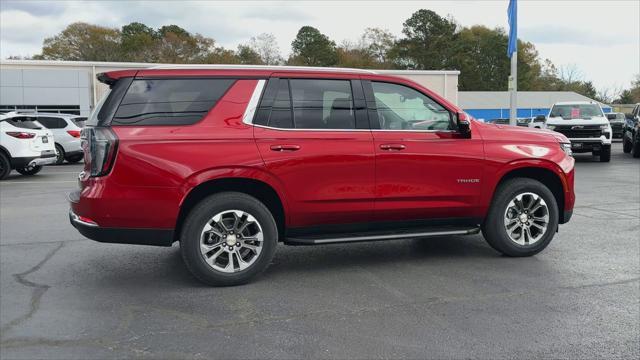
x=22 y=162
x=153 y=237
x=44 y=160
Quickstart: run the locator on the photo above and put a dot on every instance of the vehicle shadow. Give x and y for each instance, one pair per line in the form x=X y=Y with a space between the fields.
x=291 y=261
x=378 y=254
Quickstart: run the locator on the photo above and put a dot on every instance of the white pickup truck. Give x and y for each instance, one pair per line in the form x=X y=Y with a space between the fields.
x=585 y=125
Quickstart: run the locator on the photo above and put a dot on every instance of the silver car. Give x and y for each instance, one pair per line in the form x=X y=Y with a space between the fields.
x=66 y=132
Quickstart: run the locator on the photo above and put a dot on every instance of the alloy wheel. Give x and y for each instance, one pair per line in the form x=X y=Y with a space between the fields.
x=526 y=218
x=231 y=241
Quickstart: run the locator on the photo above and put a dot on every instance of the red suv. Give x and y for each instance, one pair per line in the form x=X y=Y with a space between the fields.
x=229 y=161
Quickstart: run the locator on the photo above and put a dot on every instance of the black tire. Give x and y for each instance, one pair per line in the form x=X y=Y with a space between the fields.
x=5 y=166
x=605 y=154
x=635 y=150
x=494 y=230
x=626 y=145
x=59 y=154
x=74 y=158
x=30 y=170
x=202 y=213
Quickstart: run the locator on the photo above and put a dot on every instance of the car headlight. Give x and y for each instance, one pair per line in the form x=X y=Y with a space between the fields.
x=566 y=147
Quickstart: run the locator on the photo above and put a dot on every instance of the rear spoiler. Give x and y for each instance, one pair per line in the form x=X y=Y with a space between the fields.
x=111 y=77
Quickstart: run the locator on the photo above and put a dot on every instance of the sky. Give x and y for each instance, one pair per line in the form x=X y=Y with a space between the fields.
x=601 y=39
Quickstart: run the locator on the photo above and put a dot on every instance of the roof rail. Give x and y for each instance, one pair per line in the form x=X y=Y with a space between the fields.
x=260 y=67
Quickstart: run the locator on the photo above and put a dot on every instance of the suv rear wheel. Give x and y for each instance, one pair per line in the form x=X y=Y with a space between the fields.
x=522 y=219
x=30 y=170
x=5 y=166
x=626 y=144
x=228 y=238
x=635 y=148
x=59 y=154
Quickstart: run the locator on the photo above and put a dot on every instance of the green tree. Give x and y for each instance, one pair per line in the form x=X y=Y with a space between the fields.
x=182 y=47
x=356 y=56
x=138 y=43
x=427 y=42
x=312 y=48
x=247 y=55
x=83 y=42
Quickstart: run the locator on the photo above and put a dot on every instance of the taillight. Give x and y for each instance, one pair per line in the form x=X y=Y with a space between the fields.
x=100 y=144
x=74 y=133
x=21 y=134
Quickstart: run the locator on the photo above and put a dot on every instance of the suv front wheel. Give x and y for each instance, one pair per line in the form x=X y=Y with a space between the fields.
x=228 y=238
x=522 y=219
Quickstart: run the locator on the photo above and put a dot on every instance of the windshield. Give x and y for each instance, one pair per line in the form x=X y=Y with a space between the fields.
x=576 y=111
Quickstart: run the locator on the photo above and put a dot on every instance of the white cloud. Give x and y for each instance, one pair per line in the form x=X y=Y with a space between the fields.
x=599 y=37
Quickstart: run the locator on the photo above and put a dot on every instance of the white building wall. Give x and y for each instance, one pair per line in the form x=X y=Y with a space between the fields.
x=35 y=82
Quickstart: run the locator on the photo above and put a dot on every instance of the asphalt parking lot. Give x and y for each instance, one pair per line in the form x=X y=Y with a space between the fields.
x=62 y=296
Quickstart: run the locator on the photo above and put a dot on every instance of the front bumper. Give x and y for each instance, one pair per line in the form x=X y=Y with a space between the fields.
x=589 y=144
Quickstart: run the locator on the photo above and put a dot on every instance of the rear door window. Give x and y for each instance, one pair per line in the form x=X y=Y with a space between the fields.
x=169 y=101
x=322 y=104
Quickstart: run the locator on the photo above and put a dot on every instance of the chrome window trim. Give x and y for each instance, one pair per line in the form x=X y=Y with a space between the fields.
x=350 y=130
x=250 y=111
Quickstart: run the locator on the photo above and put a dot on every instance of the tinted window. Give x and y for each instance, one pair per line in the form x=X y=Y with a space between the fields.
x=169 y=101
x=52 y=122
x=281 y=116
x=322 y=104
x=403 y=108
x=24 y=122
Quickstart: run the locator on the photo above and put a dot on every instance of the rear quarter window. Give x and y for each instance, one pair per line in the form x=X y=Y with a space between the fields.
x=169 y=101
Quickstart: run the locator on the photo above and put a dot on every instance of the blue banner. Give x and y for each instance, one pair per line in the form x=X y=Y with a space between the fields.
x=512 y=13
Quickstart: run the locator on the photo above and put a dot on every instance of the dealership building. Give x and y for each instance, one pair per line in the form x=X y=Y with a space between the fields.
x=71 y=86
x=489 y=105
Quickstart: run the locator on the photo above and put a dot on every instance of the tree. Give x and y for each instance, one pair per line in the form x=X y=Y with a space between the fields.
x=83 y=42
x=378 y=42
x=247 y=55
x=427 y=42
x=138 y=42
x=355 y=56
x=266 y=47
x=182 y=47
x=312 y=48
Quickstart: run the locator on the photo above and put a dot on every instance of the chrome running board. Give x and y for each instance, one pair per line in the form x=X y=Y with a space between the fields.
x=405 y=234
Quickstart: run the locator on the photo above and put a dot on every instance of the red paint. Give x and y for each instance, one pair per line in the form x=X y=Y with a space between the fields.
x=321 y=177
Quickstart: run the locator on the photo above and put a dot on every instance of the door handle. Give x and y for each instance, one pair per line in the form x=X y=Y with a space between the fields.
x=285 y=147
x=392 y=147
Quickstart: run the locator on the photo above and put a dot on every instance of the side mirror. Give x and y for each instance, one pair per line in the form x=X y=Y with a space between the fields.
x=541 y=118
x=464 y=125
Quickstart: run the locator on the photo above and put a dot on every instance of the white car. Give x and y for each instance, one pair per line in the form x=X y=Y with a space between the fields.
x=24 y=146
x=585 y=125
x=66 y=132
